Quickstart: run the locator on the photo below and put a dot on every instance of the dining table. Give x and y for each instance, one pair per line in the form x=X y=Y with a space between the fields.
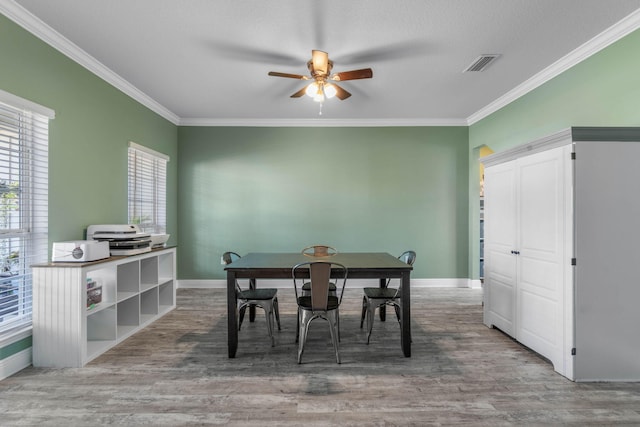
x=278 y=265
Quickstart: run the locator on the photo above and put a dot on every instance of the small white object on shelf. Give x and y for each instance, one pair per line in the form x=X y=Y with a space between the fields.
x=79 y=251
x=159 y=240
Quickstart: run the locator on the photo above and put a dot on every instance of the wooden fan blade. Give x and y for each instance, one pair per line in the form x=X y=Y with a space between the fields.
x=299 y=93
x=365 y=73
x=341 y=93
x=320 y=61
x=291 y=76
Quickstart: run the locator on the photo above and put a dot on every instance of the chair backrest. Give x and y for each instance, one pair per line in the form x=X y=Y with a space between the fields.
x=319 y=251
x=228 y=258
x=408 y=257
x=319 y=274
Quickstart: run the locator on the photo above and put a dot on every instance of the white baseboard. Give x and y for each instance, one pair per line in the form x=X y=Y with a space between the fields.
x=475 y=284
x=15 y=363
x=353 y=283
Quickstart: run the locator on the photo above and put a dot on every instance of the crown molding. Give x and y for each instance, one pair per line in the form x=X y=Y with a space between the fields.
x=38 y=28
x=321 y=122
x=612 y=34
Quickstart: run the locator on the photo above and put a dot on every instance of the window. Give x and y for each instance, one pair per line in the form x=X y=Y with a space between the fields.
x=147 y=189
x=23 y=205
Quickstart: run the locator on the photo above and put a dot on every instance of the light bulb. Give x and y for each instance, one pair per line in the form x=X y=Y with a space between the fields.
x=312 y=90
x=330 y=90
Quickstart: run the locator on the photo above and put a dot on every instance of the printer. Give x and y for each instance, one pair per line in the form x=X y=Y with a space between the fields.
x=124 y=239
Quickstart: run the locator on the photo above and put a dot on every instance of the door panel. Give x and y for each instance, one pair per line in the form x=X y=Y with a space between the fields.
x=539 y=296
x=500 y=239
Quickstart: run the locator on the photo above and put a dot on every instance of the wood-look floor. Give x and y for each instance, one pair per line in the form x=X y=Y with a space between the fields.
x=176 y=372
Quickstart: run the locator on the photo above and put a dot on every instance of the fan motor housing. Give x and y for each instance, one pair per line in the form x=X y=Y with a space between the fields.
x=315 y=73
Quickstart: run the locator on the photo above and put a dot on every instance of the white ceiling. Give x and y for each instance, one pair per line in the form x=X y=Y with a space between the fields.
x=206 y=62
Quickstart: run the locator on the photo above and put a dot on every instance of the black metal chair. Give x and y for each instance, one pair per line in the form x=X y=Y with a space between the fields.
x=319 y=304
x=318 y=251
x=386 y=296
x=265 y=298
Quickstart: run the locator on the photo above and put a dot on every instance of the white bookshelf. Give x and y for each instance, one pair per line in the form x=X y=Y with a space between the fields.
x=136 y=291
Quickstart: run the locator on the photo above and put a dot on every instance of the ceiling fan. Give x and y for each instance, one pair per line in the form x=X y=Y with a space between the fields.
x=322 y=86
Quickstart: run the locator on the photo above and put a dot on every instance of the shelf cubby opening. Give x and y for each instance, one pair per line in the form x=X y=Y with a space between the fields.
x=165 y=267
x=128 y=316
x=148 y=305
x=166 y=296
x=148 y=272
x=101 y=331
x=129 y=278
x=107 y=278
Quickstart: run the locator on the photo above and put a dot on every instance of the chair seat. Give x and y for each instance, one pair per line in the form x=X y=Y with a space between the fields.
x=307 y=287
x=258 y=294
x=381 y=293
x=305 y=302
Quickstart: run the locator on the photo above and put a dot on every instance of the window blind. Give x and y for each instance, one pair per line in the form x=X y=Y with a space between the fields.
x=147 y=189
x=24 y=156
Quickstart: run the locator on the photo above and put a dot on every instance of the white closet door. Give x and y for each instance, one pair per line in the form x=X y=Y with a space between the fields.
x=500 y=241
x=542 y=188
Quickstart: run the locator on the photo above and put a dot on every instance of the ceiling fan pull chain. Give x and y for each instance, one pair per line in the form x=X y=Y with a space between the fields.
x=320 y=113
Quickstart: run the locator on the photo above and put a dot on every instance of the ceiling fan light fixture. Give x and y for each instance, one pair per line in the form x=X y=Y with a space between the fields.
x=320 y=89
x=330 y=90
x=312 y=90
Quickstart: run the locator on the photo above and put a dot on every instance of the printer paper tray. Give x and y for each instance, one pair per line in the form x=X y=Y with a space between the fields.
x=130 y=244
x=130 y=251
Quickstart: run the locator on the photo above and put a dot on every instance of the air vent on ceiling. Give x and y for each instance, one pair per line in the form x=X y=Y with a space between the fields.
x=482 y=62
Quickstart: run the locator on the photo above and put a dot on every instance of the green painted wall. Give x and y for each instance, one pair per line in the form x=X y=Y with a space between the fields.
x=358 y=189
x=87 y=140
x=603 y=90
x=89 y=136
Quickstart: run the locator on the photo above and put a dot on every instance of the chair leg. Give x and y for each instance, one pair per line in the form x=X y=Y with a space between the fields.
x=243 y=308
x=305 y=318
x=364 y=311
x=298 y=326
x=268 y=313
x=276 y=311
x=332 y=318
x=371 y=313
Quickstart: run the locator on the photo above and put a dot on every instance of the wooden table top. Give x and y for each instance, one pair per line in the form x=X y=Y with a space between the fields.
x=276 y=264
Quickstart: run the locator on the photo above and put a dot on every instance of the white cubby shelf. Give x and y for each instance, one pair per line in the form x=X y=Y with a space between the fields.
x=136 y=290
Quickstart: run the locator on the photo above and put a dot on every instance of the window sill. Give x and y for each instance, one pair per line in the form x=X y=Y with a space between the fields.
x=14 y=335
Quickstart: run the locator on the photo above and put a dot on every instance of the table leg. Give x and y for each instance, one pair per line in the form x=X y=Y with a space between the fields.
x=232 y=321
x=252 y=308
x=383 y=308
x=406 y=313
